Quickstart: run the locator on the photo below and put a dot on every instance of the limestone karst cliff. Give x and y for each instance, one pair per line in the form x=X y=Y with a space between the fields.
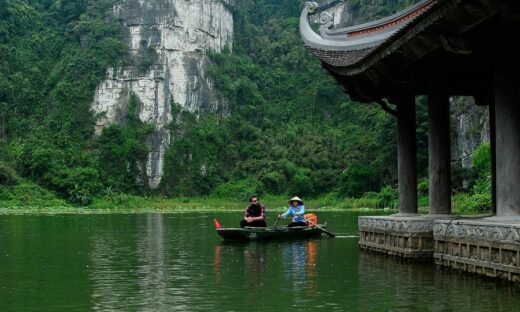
x=168 y=41
x=470 y=128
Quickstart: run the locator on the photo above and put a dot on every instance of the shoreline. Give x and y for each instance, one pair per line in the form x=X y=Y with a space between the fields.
x=184 y=209
x=142 y=205
x=136 y=204
x=173 y=210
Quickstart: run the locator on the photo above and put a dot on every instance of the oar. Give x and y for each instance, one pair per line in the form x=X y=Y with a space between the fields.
x=277 y=219
x=322 y=229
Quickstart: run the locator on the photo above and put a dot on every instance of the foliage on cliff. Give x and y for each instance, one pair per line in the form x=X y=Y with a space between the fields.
x=53 y=55
x=291 y=128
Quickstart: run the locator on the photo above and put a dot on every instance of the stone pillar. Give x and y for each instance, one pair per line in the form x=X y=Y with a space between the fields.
x=507 y=124
x=407 y=155
x=439 y=158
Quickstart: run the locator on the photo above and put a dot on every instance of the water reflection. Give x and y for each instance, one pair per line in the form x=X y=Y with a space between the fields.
x=312 y=253
x=261 y=260
x=216 y=264
x=255 y=265
x=416 y=286
x=104 y=294
x=299 y=259
x=133 y=270
x=141 y=269
x=154 y=264
x=294 y=260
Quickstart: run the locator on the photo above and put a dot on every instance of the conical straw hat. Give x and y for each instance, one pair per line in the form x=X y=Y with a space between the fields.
x=297 y=199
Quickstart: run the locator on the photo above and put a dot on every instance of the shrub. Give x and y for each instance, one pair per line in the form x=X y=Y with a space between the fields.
x=239 y=190
x=481 y=159
x=301 y=183
x=7 y=175
x=274 y=182
x=388 y=195
x=356 y=180
x=114 y=197
x=28 y=194
x=80 y=194
x=472 y=203
x=482 y=185
x=386 y=198
x=422 y=187
x=330 y=199
x=78 y=180
x=423 y=201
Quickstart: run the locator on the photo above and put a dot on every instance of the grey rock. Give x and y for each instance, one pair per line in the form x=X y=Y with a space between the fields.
x=471 y=128
x=168 y=41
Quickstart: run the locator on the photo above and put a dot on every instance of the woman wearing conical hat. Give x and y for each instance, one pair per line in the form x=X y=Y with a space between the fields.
x=297 y=210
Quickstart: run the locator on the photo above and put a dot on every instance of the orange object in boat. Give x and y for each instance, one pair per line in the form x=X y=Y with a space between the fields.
x=311 y=218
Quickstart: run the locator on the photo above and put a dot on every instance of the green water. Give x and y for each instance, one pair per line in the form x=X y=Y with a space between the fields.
x=176 y=262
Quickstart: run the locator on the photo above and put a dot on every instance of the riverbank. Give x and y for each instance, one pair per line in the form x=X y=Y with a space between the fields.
x=29 y=198
x=137 y=204
x=156 y=204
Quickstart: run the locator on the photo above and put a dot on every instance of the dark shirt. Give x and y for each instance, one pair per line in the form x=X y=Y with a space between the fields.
x=257 y=210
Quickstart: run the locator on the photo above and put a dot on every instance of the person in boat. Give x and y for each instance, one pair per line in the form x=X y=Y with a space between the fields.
x=297 y=210
x=254 y=215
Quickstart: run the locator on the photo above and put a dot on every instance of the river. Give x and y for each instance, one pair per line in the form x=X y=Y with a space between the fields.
x=176 y=262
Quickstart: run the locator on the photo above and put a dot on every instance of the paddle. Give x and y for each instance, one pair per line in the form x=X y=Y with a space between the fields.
x=277 y=219
x=322 y=229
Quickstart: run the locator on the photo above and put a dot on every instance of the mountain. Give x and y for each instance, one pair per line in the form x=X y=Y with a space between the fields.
x=184 y=98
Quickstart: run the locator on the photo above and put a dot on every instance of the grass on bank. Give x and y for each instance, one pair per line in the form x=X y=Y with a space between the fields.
x=138 y=204
x=27 y=197
x=23 y=196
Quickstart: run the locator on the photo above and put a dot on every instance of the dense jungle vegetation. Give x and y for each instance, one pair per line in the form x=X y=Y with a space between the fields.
x=290 y=130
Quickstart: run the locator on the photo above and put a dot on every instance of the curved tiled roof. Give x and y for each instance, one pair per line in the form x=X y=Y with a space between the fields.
x=341 y=58
x=349 y=46
x=451 y=42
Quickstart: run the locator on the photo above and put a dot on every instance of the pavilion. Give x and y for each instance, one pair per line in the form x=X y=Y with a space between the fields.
x=437 y=48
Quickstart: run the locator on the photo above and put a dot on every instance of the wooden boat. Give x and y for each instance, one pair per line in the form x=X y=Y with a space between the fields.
x=269 y=233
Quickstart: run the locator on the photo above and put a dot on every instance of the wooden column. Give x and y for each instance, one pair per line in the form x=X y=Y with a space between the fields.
x=487 y=98
x=507 y=125
x=407 y=155
x=493 y=146
x=439 y=158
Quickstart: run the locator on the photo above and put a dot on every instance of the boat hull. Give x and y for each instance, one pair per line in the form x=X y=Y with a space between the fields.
x=269 y=233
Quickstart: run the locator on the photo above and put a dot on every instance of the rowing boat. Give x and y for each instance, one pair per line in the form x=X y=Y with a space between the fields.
x=269 y=233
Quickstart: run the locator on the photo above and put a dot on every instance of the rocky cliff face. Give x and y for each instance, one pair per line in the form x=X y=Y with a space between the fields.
x=362 y=11
x=470 y=128
x=168 y=40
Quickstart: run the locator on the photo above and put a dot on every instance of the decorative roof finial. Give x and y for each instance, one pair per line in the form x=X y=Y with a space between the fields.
x=311 y=7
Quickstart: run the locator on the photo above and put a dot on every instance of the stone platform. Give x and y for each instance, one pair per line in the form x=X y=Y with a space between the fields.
x=409 y=237
x=487 y=246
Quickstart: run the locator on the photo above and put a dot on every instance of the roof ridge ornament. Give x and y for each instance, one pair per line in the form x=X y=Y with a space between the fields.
x=354 y=38
x=314 y=8
x=327 y=22
x=311 y=7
